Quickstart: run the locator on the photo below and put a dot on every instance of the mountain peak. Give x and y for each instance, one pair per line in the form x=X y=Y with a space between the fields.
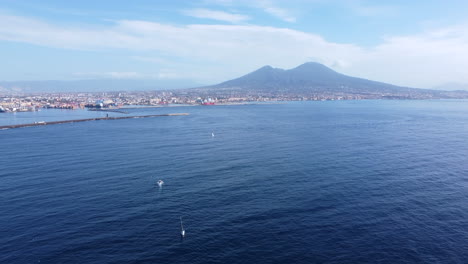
x=312 y=66
x=266 y=67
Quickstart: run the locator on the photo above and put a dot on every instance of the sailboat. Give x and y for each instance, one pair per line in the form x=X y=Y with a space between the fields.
x=160 y=183
x=182 y=230
x=212 y=134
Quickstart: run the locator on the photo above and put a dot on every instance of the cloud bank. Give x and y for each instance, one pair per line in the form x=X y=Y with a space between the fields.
x=217 y=52
x=216 y=15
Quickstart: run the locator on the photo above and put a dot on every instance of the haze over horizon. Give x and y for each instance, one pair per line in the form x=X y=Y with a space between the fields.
x=417 y=44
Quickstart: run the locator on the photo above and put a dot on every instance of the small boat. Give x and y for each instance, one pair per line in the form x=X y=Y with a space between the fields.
x=212 y=134
x=160 y=183
x=182 y=230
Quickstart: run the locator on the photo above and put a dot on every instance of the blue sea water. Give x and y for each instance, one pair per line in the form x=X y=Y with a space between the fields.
x=304 y=182
x=48 y=115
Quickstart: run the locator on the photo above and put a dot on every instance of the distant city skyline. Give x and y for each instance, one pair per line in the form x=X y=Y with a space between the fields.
x=420 y=44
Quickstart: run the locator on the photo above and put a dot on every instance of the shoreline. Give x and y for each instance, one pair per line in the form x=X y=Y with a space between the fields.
x=191 y=105
x=42 y=123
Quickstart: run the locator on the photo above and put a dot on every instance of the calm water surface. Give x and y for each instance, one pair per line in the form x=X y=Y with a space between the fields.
x=312 y=182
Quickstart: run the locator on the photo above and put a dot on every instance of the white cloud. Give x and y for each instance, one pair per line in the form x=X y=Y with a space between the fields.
x=280 y=13
x=267 y=6
x=273 y=10
x=422 y=60
x=214 y=53
x=374 y=10
x=219 y=2
x=216 y=15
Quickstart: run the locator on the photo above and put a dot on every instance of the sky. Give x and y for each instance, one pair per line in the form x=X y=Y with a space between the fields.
x=418 y=43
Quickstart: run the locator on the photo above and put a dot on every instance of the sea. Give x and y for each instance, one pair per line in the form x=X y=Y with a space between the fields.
x=375 y=181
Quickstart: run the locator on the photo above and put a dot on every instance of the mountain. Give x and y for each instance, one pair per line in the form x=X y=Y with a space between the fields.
x=452 y=86
x=313 y=78
x=308 y=76
x=95 y=85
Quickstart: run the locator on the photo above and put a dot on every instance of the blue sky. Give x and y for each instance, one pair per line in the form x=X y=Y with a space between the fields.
x=413 y=43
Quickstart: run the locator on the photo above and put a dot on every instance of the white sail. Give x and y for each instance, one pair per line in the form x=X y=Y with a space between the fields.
x=160 y=183
x=182 y=230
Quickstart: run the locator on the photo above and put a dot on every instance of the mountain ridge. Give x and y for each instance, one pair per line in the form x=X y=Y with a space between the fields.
x=92 y=85
x=310 y=75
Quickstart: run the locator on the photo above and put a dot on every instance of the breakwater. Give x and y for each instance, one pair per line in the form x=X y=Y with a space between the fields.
x=43 y=123
x=107 y=110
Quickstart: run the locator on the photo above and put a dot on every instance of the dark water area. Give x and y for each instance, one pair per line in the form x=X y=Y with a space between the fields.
x=309 y=182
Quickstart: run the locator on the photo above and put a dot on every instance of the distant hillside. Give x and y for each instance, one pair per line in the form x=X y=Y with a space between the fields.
x=313 y=78
x=452 y=86
x=98 y=85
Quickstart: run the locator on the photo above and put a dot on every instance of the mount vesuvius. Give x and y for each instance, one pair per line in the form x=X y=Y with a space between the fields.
x=315 y=79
